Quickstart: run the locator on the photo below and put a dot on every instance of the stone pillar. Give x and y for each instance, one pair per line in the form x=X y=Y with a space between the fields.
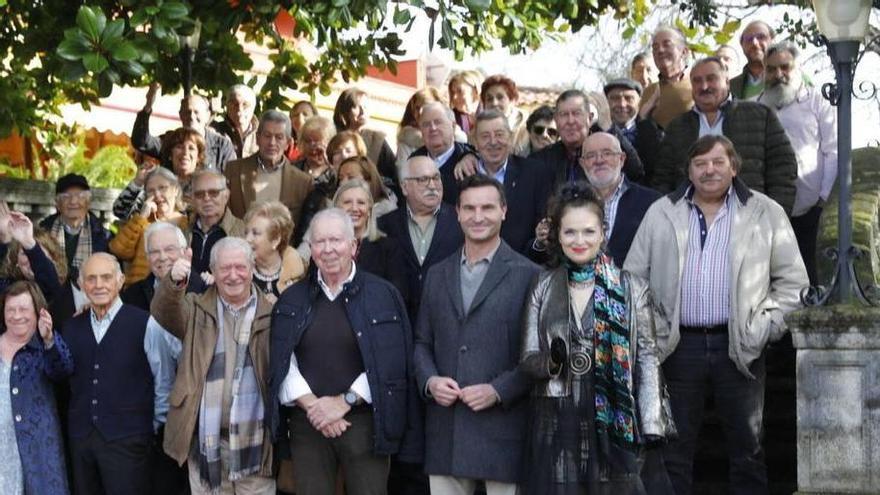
x=838 y=399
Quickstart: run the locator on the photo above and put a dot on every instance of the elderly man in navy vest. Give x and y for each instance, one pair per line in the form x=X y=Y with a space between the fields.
x=342 y=363
x=123 y=371
x=466 y=354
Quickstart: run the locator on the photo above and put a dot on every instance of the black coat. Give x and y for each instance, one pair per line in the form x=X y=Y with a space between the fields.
x=554 y=158
x=140 y=293
x=447 y=169
x=527 y=190
x=385 y=340
x=382 y=257
x=447 y=238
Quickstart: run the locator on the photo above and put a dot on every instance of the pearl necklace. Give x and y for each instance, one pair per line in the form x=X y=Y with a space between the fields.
x=268 y=278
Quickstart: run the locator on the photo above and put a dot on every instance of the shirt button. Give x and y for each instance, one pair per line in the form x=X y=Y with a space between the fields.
x=358 y=334
x=15 y=368
x=95 y=381
x=14 y=390
x=94 y=401
x=462 y=349
x=18 y=418
x=94 y=418
x=97 y=366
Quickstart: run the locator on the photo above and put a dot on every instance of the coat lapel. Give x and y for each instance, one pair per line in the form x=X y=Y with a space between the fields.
x=247 y=177
x=497 y=271
x=741 y=231
x=453 y=283
x=511 y=176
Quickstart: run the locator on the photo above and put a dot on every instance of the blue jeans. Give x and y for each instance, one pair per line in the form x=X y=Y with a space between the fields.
x=700 y=366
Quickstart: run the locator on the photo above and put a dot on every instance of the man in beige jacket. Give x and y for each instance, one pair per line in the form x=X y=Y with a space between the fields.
x=724 y=268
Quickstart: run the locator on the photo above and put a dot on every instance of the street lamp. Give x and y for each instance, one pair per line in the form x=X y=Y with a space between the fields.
x=844 y=25
x=189 y=45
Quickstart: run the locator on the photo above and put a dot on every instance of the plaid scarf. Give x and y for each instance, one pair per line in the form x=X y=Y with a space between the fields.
x=246 y=413
x=83 y=242
x=615 y=408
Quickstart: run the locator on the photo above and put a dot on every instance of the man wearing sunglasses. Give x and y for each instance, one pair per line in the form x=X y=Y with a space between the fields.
x=542 y=130
x=624 y=97
x=211 y=221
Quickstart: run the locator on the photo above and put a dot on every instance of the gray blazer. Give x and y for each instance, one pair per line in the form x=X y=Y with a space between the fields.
x=480 y=345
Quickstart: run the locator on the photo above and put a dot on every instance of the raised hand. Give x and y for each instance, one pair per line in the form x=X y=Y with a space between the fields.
x=4 y=222
x=144 y=170
x=149 y=209
x=21 y=229
x=151 y=96
x=181 y=268
x=44 y=325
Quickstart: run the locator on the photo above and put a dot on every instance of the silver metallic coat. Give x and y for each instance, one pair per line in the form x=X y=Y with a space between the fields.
x=547 y=317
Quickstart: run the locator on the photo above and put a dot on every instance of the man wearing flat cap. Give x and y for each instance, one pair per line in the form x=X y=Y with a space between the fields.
x=624 y=96
x=78 y=231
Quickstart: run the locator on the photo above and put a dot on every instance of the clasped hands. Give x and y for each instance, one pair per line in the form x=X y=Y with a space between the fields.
x=446 y=391
x=326 y=414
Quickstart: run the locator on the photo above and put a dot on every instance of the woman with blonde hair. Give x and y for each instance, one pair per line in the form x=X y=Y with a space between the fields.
x=464 y=97
x=276 y=265
x=375 y=253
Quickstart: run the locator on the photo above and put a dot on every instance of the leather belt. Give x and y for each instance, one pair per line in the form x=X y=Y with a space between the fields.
x=713 y=330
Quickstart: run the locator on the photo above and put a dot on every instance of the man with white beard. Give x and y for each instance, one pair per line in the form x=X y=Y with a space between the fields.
x=811 y=125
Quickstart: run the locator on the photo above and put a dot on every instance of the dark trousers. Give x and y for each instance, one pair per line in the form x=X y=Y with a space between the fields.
x=407 y=479
x=168 y=477
x=806 y=230
x=316 y=459
x=700 y=366
x=117 y=467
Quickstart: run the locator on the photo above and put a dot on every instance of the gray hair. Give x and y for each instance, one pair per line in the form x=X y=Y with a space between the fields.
x=160 y=227
x=491 y=114
x=333 y=214
x=274 y=116
x=232 y=244
x=208 y=172
x=404 y=171
x=666 y=28
x=172 y=179
x=106 y=257
x=450 y=115
x=783 y=46
x=243 y=90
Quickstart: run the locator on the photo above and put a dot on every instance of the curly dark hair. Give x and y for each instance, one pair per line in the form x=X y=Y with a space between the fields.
x=579 y=194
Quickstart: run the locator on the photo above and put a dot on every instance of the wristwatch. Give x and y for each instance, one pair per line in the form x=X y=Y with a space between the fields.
x=351 y=398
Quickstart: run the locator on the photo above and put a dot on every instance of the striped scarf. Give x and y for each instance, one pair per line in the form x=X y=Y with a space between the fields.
x=615 y=408
x=246 y=411
x=83 y=242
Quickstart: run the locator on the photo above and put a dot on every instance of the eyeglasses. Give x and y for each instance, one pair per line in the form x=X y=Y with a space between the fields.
x=604 y=154
x=425 y=179
x=540 y=129
x=81 y=195
x=207 y=193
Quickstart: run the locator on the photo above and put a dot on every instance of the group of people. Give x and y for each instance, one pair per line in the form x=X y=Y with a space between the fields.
x=509 y=304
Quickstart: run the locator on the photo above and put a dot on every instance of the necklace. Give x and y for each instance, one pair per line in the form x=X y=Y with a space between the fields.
x=580 y=284
x=268 y=278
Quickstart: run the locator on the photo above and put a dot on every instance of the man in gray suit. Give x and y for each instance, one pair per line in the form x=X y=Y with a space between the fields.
x=466 y=352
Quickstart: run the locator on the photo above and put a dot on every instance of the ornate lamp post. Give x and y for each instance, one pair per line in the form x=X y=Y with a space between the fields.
x=844 y=25
x=189 y=46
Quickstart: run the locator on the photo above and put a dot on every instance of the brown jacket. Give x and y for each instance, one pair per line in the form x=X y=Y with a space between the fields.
x=193 y=319
x=295 y=186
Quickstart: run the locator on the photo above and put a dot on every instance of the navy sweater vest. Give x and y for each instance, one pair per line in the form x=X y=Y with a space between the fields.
x=112 y=383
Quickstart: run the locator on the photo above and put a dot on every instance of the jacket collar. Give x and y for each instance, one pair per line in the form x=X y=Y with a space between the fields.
x=743 y=193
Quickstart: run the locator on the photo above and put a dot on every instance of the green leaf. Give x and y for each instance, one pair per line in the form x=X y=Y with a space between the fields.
x=478 y=5
x=152 y=10
x=139 y=18
x=401 y=16
x=113 y=30
x=72 y=71
x=70 y=50
x=146 y=50
x=174 y=10
x=132 y=68
x=105 y=85
x=340 y=3
x=87 y=20
x=124 y=52
x=95 y=62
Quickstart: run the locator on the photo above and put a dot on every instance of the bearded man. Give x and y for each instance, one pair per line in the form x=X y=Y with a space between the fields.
x=811 y=125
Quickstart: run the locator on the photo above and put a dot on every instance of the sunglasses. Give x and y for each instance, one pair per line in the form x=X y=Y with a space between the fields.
x=207 y=193
x=540 y=129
